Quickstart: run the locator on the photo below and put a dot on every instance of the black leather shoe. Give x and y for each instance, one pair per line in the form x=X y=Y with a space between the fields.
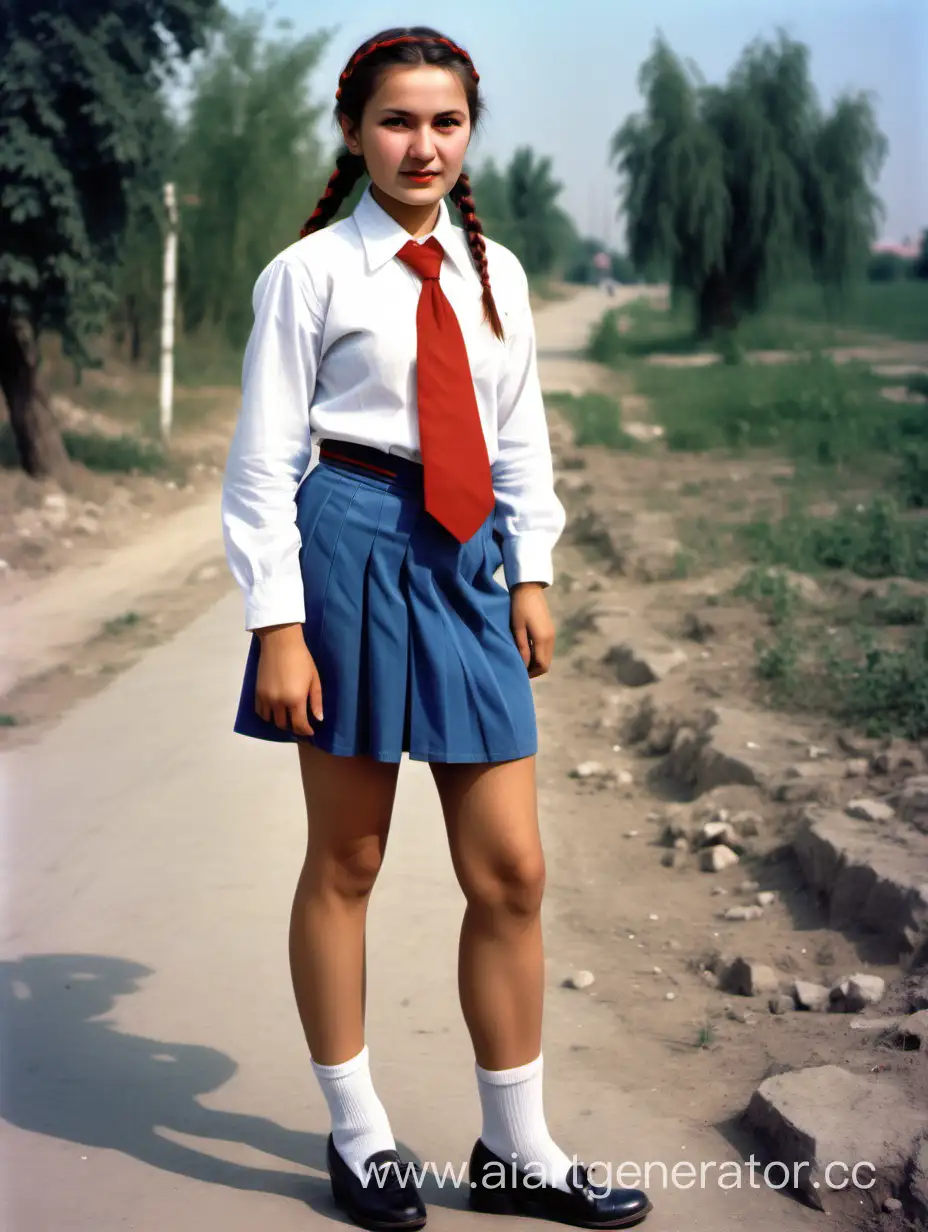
x=389 y=1200
x=510 y=1192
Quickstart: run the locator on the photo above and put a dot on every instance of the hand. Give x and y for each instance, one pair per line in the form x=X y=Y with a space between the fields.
x=532 y=626
x=287 y=676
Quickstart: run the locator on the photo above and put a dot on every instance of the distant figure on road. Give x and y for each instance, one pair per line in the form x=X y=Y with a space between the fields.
x=405 y=346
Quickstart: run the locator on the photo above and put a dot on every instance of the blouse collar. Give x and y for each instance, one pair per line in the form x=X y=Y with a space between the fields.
x=383 y=237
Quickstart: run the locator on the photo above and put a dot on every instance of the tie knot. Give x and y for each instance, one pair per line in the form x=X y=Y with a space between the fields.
x=425 y=258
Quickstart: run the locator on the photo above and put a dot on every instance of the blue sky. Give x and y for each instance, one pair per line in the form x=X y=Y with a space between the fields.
x=561 y=75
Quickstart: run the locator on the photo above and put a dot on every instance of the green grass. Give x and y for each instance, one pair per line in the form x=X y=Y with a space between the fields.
x=595 y=419
x=108 y=454
x=873 y=541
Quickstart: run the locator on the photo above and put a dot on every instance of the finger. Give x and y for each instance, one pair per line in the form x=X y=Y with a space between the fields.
x=299 y=720
x=262 y=709
x=315 y=696
x=281 y=718
x=520 y=633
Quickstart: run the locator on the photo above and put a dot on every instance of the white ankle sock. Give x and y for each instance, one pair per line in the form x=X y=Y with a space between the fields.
x=514 y=1122
x=359 y=1122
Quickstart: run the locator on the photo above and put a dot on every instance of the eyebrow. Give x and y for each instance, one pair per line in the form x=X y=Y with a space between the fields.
x=452 y=111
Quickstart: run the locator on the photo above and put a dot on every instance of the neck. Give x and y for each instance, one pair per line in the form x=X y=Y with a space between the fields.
x=418 y=220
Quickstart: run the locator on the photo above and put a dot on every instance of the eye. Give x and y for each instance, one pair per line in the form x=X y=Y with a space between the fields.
x=448 y=122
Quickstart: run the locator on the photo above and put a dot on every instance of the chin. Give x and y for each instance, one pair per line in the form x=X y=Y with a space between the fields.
x=426 y=194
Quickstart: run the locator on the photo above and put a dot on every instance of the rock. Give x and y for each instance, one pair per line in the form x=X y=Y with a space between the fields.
x=918 y=1180
x=588 y=770
x=738 y=1014
x=913 y=802
x=625 y=778
x=898 y=756
x=718 y=891
x=746 y=823
x=891 y=1205
x=744 y=913
x=858 y=746
x=851 y=995
x=715 y=859
x=749 y=979
x=870 y=810
x=782 y=1003
x=806 y=791
x=710 y=978
x=748 y=887
x=766 y=898
x=676 y=829
x=728 y=747
x=716 y=833
x=913 y=1030
x=580 y=980
x=856 y=768
x=206 y=574
x=675 y=859
x=637 y=665
x=811 y=997
x=85 y=525
x=815 y=752
x=670 y=996
x=696 y=628
x=866 y=880
x=810 y=1118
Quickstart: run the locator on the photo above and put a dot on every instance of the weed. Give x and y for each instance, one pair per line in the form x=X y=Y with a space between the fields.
x=771 y=591
x=595 y=419
x=127 y=621
x=9 y=720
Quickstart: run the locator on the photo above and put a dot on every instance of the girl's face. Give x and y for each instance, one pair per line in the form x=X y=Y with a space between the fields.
x=414 y=134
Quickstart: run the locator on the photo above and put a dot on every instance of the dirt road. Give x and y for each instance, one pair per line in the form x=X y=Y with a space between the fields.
x=155 y=1075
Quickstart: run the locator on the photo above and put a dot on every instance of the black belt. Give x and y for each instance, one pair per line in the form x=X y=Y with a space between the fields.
x=366 y=456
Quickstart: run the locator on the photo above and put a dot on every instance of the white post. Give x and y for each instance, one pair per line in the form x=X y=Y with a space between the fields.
x=167 y=313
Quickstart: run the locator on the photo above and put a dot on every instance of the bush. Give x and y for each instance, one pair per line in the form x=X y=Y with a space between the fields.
x=873 y=541
x=112 y=454
x=595 y=419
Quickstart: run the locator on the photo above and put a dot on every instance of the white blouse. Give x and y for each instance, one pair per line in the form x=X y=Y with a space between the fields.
x=332 y=353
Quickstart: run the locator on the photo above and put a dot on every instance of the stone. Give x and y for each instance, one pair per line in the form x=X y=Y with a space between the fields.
x=674 y=830
x=750 y=979
x=811 y=997
x=898 y=756
x=580 y=980
x=891 y=1205
x=913 y=802
x=748 y=887
x=809 y=1118
x=766 y=898
x=715 y=859
x=709 y=978
x=638 y=665
x=713 y=833
x=744 y=913
x=865 y=880
x=856 y=768
x=913 y=1030
x=806 y=791
x=870 y=810
x=675 y=859
x=588 y=770
x=782 y=1003
x=747 y=823
x=858 y=746
x=856 y=992
x=625 y=778
x=85 y=525
x=718 y=891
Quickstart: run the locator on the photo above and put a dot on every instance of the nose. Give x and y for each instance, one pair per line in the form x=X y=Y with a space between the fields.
x=422 y=144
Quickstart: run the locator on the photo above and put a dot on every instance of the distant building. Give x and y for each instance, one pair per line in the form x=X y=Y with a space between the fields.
x=906 y=250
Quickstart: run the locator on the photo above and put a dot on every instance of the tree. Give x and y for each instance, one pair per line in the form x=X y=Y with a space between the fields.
x=920 y=268
x=738 y=187
x=250 y=157
x=518 y=208
x=81 y=111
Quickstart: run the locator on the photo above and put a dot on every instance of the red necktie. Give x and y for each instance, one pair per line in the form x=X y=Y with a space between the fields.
x=458 y=483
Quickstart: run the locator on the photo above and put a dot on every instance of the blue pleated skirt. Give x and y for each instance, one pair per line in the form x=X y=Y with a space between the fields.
x=408 y=628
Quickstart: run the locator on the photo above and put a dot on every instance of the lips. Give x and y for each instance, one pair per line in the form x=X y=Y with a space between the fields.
x=421 y=177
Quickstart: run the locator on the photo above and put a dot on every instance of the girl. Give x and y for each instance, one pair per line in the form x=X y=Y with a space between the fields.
x=405 y=346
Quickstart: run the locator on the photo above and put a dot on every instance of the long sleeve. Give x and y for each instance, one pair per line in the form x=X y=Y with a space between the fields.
x=529 y=515
x=272 y=446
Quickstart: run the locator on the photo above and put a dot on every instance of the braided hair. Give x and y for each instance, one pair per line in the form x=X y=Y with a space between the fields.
x=357 y=83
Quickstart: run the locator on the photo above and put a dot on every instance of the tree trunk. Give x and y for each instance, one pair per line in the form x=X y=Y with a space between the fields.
x=715 y=308
x=38 y=440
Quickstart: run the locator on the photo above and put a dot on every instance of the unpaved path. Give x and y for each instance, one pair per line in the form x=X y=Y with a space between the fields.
x=154 y=1063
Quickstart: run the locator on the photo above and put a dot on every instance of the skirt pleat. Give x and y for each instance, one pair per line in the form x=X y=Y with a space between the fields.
x=408 y=628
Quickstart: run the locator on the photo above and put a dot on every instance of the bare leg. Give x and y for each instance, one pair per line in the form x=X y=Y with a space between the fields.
x=492 y=823
x=349 y=802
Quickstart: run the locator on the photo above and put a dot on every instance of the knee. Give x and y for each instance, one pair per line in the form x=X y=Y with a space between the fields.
x=349 y=872
x=512 y=885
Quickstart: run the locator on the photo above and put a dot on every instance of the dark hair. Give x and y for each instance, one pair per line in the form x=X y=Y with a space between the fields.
x=359 y=80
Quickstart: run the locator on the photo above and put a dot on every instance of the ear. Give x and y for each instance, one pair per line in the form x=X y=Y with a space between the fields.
x=350 y=135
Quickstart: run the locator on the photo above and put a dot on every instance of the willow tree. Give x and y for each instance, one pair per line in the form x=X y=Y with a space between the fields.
x=81 y=109
x=250 y=158
x=736 y=188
